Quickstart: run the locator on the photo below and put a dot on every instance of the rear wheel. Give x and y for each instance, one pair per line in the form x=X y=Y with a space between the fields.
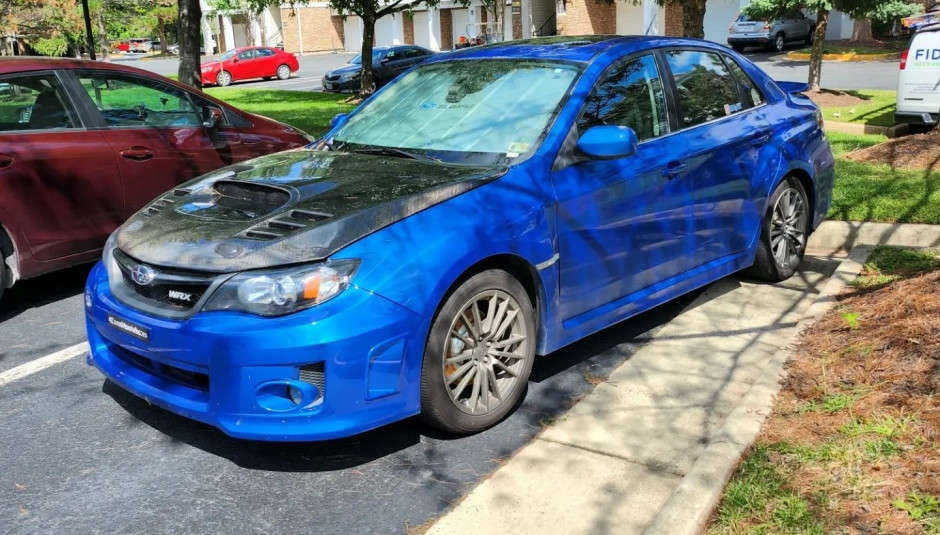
x=777 y=44
x=4 y=271
x=783 y=233
x=223 y=78
x=479 y=354
x=283 y=72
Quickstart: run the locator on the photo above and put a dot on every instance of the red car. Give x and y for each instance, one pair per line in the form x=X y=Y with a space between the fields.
x=250 y=62
x=83 y=145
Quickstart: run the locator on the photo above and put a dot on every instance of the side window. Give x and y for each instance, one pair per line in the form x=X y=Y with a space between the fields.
x=34 y=103
x=393 y=55
x=247 y=54
x=412 y=53
x=629 y=94
x=126 y=101
x=265 y=52
x=706 y=89
x=752 y=96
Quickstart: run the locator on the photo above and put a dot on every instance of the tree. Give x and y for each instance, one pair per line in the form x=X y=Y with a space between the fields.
x=190 y=19
x=857 y=9
x=52 y=27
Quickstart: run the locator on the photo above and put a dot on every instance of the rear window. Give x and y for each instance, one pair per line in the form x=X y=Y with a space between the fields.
x=743 y=18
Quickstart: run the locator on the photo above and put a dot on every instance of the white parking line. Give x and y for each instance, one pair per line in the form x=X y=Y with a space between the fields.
x=40 y=364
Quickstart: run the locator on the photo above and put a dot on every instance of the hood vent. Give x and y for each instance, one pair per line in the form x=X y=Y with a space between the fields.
x=260 y=198
x=168 y=199
x=282 y=225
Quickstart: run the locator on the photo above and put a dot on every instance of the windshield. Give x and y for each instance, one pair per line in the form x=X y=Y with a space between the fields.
x=472 y=111
x=376 y=55
x=228 y=55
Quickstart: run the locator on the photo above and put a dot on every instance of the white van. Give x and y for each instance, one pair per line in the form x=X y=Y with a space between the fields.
x=919 y=79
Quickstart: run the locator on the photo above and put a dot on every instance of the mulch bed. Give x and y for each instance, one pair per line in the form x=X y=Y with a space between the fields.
x=833 y=98
x=920 y=151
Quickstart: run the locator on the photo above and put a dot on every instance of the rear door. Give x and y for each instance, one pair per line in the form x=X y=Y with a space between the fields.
x=266 y=62
x=157 y=132
x=59 y=182
x=247 y=65
x=724 y=132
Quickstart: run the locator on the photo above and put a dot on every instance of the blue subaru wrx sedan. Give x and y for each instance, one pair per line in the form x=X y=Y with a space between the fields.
x=488 y=206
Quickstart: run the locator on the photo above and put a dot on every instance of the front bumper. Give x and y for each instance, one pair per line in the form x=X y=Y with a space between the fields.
x=232 y=370
x=912 y=117
x=339 y=87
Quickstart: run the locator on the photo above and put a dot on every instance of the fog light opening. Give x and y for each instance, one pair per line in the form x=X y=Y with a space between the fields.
x=295 y=395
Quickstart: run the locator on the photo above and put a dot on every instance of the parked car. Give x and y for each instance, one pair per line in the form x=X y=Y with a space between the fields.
x=387 y=63
x=493 y=204
x=774 y=35
x=247 y=63
x=140 y=46
x=122 y=46
x=918 y=99
x=84 y=144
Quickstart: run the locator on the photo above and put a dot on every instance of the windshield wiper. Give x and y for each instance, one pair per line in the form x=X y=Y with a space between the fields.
x=394 y=152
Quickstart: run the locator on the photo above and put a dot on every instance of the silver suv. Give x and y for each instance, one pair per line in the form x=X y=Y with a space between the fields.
x=745 y=32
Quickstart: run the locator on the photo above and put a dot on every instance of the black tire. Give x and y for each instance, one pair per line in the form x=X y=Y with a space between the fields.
x=282 y=72
x=778 y=43
x=811 y=36
x=738 y=48
x=453 y=414
x=224 y=78
x=767 y=266
x=4 y=271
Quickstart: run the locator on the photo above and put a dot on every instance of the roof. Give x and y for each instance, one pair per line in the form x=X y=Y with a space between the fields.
x=11 y=64
x=580 y=48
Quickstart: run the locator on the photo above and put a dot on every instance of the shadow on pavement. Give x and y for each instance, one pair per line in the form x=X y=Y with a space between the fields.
x=34 y=293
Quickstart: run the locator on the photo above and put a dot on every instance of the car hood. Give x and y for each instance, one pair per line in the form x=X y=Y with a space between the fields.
x=345 y=69
x=295 y=206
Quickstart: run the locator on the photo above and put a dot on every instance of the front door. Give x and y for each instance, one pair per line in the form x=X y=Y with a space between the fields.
x=623 y=223
x=158 y=134
x=59 y=182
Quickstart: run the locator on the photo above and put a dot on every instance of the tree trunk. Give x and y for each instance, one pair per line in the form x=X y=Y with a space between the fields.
x=162 y=29
x=103 y=37
x=189 y=22
x=815 y=59
x=862 y=31
x=693 y=19
x=368 y=35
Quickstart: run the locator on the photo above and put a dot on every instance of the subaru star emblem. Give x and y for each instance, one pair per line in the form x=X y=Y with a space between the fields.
x=143 y=275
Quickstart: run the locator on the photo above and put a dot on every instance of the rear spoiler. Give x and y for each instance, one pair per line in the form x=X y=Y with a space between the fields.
x=793 y=87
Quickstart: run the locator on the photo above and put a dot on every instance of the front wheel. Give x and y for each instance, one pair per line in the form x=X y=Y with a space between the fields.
x=223 y=79
x=784 y=232
x=283 y=72
x=479 y=354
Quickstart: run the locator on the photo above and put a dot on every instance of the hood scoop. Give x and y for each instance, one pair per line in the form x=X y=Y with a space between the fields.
x=166 y=200
x=259 y=198
x=284 y=224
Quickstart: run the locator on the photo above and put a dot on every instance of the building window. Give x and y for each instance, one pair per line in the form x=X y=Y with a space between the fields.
x=560 y=7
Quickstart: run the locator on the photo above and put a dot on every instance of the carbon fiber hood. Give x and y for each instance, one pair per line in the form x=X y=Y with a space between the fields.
x=289 y=207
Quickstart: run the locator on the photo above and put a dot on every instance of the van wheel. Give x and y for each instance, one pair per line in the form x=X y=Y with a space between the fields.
x=784 y=231
x=478 y=355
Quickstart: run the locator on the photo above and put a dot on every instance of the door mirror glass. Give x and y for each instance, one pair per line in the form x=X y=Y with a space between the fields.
x=212 y=117
x=606 y=142
x=338 y=120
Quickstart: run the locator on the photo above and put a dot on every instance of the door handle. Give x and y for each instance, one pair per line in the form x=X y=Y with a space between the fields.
x=137 y=153
x=759 y=139
x=674 y=169
x=5 y=161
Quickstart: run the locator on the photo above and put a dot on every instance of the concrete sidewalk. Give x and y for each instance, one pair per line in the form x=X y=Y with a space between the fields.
x=617 y=461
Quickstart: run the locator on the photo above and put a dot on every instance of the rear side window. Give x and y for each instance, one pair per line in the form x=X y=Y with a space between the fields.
x=265 y=52
x=34 y=102
x=706 y=89
x=752 y=96
x=629 y=94
x=126 y=101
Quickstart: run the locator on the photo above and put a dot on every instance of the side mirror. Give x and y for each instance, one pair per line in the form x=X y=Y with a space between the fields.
x=338 y=120
x=608 y=142
x=234 y=59
x=212 y=118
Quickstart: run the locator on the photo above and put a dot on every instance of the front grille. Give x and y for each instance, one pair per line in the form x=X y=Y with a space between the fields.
x=261 y=198
x=314 y=374
x=332 y=77
x=170 y=290
x=198 y=381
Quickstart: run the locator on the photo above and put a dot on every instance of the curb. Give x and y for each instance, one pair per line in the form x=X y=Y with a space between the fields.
x=848 y=56
x=897 y=130
x=692 y=503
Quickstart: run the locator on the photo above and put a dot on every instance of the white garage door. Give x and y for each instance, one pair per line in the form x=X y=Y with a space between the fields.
x=718 y=17
x=352 y=33
x=460 y=18
x=422 y=32
x=388 y=31
x=630 y=19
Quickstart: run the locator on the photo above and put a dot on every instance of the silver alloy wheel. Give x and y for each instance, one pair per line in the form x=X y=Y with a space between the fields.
x=223 y=78
x=485 y=352
x=778 y=43
x=788 y=228
x=283 y=72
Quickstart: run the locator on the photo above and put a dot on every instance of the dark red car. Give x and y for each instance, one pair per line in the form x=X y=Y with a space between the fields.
x=83 y=145
x=249 y=62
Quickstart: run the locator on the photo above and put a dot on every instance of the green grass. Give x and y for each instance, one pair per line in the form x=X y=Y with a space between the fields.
x=888 y=264
x=877 y=110
x=308 y=111
x=866 y=192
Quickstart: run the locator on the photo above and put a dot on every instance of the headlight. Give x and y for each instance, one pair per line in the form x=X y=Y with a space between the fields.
x=107 y=258
x=349 y=76
x=276 y=293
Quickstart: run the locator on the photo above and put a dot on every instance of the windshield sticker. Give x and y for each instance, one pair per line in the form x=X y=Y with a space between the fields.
x=518 y=147
x=433 y=106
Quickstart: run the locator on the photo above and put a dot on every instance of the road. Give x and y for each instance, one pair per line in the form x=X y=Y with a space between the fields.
x=835 y=74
